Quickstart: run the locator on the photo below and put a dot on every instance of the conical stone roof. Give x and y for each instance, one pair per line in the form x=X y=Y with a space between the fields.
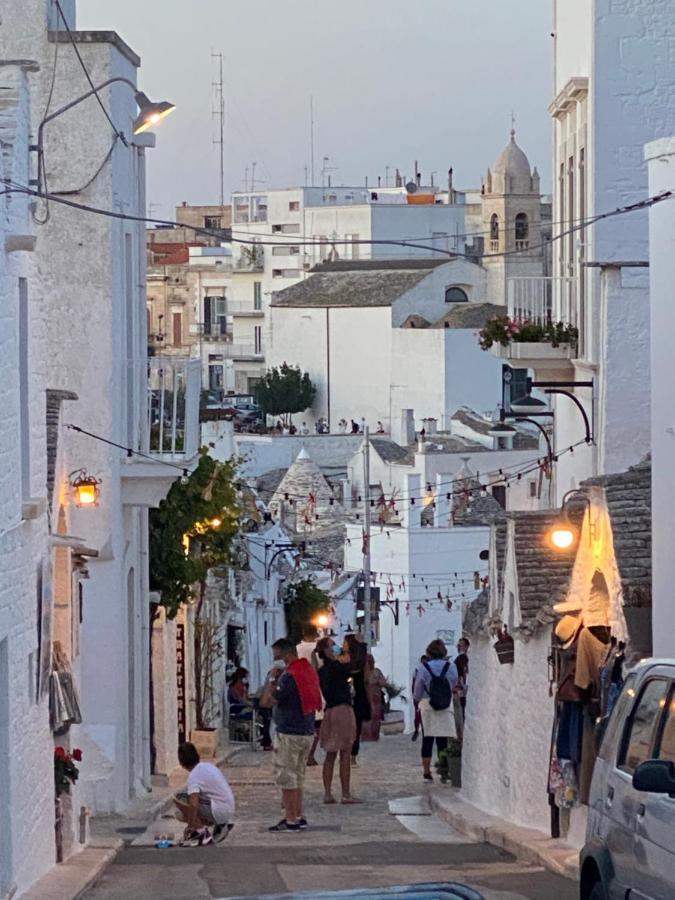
x=309 y=495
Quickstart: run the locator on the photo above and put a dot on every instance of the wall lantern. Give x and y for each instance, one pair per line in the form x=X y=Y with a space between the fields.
x=85 y=488
x=564 y=535
x=322 y=620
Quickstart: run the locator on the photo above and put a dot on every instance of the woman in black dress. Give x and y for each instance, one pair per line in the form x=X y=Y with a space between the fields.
x=355 y=652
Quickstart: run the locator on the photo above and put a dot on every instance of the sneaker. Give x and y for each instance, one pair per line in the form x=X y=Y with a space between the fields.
x=283 y=825
x=428 y=777
x=302 y=823
x=220 y=832
x=199 y=838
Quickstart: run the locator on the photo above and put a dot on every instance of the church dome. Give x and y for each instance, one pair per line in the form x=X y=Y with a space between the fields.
x=511 y=173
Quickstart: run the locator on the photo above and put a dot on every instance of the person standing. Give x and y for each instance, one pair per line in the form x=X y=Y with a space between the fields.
x=462 y=663
x=297 y=699
x=306 y=649
x=418 y=721
x=434 y=685
x=375 y=683
x=355 y=653
x=338 y=729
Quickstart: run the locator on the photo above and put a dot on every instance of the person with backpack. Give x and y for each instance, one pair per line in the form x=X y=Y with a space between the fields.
x=434 y=684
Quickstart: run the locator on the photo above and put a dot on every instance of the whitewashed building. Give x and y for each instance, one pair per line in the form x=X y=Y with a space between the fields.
x=82 y=329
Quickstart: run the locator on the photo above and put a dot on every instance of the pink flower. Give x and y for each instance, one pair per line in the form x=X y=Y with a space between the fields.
x=77 y=754
x=60 y=753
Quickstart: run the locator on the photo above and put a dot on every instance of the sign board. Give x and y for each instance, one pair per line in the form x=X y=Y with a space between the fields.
x=181 y=704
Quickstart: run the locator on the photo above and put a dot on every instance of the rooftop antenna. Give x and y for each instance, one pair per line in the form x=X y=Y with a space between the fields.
x=219 y=112
x=311 y=139
x=513 y=125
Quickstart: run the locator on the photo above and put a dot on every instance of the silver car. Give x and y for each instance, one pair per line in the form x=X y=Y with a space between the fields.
x=630 y=837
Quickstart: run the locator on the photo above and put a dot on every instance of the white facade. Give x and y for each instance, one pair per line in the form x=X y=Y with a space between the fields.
x=411 y=566
x=613 y=93
x=660 y=156
x=27 y=845
x=86 y=342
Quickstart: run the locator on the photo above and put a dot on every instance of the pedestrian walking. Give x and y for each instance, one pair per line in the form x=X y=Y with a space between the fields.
x=418 y=720
x=306 y=649
x=297 y=699
x=338 y=729
x=355 y=653
x=207 y=802
x=434 y=685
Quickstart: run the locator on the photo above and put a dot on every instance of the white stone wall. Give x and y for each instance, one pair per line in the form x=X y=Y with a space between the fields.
x=508 y=777
x=661 y=159
x=164 y=692
x=26 y=744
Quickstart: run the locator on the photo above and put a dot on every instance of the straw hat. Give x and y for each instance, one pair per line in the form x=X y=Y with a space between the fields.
x=573 y=605
x=567 y=630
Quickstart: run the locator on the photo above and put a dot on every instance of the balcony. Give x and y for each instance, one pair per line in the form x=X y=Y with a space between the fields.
x=241 y=308
x=548 y=308
x=242 y=352
x=171 y=433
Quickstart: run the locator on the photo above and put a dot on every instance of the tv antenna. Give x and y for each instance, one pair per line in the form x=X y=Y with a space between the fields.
x=219 y=112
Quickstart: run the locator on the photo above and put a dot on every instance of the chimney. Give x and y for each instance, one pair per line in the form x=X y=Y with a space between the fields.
x=450 y=180
x=379 y=181
x=399 y=182
x=407 y=427
x=418 y=178
x=366 y=181
x=443 y=500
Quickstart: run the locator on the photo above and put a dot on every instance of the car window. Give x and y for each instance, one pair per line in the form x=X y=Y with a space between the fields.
x=612 y=737
x=666 y=743
x=638 y=740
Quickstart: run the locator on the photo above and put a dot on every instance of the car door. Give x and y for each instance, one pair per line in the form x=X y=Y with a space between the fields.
x=620 y=801
x=655 y=822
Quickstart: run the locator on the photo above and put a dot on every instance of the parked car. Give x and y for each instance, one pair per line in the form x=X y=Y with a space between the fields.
x=630 y=837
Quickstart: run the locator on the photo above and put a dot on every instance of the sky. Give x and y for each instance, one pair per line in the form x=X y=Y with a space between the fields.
x=435 y=81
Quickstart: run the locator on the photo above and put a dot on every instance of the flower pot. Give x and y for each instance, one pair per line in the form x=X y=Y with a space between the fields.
x=206 y=741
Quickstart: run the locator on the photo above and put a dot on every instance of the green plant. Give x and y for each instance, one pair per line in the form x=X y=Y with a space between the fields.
x=284 y=391
x=503 y=330
x=392 y=691
x=303 y=600
x=65 y=770
x=192 y=530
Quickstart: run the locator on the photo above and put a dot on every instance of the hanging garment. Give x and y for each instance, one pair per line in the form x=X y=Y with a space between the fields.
x=591 y=654
x=570 y=732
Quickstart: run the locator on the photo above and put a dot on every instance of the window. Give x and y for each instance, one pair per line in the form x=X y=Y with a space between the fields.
x=24 y=416
x=215 y=317
x=637 y=743
x=277 y=229
x=502 y=443
x=212 y=221
x=533 y=489
x=666 y=742
x=572 y=236
x=494 y=232
x=499 y=493
x=257 y=295
x=455 y=295
x=277 y=273
x=177 y=320
x=522 y=232
x=294 y=206
x=285 y=251
x=257 y=339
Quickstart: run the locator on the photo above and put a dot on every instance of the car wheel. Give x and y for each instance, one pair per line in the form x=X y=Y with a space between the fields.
x=597 y=892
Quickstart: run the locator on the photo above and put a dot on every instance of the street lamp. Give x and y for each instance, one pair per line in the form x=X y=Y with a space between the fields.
x=150 y=114
x=85 y=488
x=564 y=535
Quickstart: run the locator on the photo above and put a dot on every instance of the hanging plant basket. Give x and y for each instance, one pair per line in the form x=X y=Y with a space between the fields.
x=505 y=647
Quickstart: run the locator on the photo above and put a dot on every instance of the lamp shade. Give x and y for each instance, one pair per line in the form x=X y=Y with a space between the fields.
x=150 y=114
x=85 y=489
x=527 y=405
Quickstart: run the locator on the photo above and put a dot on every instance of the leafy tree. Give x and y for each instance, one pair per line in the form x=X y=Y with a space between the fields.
x=302 y=601
x=284 y=391
x=192 y=530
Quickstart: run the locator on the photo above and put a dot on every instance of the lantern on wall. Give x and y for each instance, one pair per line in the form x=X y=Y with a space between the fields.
x=85 y=488
x=564 y=535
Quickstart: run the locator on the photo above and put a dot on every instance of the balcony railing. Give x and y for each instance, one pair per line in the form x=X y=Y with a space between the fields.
x=242 y=308
x=539 y=300
x=174 y=385
x=242 y=351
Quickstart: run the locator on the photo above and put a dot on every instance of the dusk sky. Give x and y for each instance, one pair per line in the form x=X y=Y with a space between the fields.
x=392 y=82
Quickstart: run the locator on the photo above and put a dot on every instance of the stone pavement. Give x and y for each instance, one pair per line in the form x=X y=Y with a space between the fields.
x=392 y=838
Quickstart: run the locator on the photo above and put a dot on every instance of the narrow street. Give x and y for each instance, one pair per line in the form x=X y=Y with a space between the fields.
x=345 y=847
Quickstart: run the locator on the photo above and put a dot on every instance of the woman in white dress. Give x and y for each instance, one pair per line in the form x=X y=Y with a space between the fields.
x=435 y=681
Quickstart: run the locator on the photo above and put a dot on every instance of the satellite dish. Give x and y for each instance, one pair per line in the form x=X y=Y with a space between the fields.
x=411 y=187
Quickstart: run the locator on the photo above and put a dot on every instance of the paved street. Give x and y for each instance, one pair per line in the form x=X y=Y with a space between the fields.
x=346 y=847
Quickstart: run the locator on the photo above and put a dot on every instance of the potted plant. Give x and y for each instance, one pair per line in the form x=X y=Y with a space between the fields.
x=65 y=770
x=208 y=656
x=504 y=331
x=449 y=764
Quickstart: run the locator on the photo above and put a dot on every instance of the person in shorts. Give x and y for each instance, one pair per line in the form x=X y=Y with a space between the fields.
x=297 y=699
x=207 y=802
x=338 y=730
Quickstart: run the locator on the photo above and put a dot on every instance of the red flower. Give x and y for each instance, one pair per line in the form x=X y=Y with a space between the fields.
x=60 y=753
x=77 y=754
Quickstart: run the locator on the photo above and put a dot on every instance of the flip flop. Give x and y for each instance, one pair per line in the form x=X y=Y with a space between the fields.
x=329 y=800
x=312 y=762
x=350 y=801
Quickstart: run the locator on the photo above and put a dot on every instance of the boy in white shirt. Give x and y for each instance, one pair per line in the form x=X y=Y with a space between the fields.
x=207 y=801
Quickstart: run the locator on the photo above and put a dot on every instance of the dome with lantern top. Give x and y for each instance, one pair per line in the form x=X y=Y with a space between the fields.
x=511 y=173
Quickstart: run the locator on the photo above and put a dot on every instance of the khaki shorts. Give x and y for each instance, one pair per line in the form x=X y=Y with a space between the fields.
x=290 y=759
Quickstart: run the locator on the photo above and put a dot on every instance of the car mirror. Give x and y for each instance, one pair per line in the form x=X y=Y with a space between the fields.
x=656 y=776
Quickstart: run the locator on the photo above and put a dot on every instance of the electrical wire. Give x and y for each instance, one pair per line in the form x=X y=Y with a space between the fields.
x=220 y=234
x=93 y=178
x=128 y=450
x=87 y=75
